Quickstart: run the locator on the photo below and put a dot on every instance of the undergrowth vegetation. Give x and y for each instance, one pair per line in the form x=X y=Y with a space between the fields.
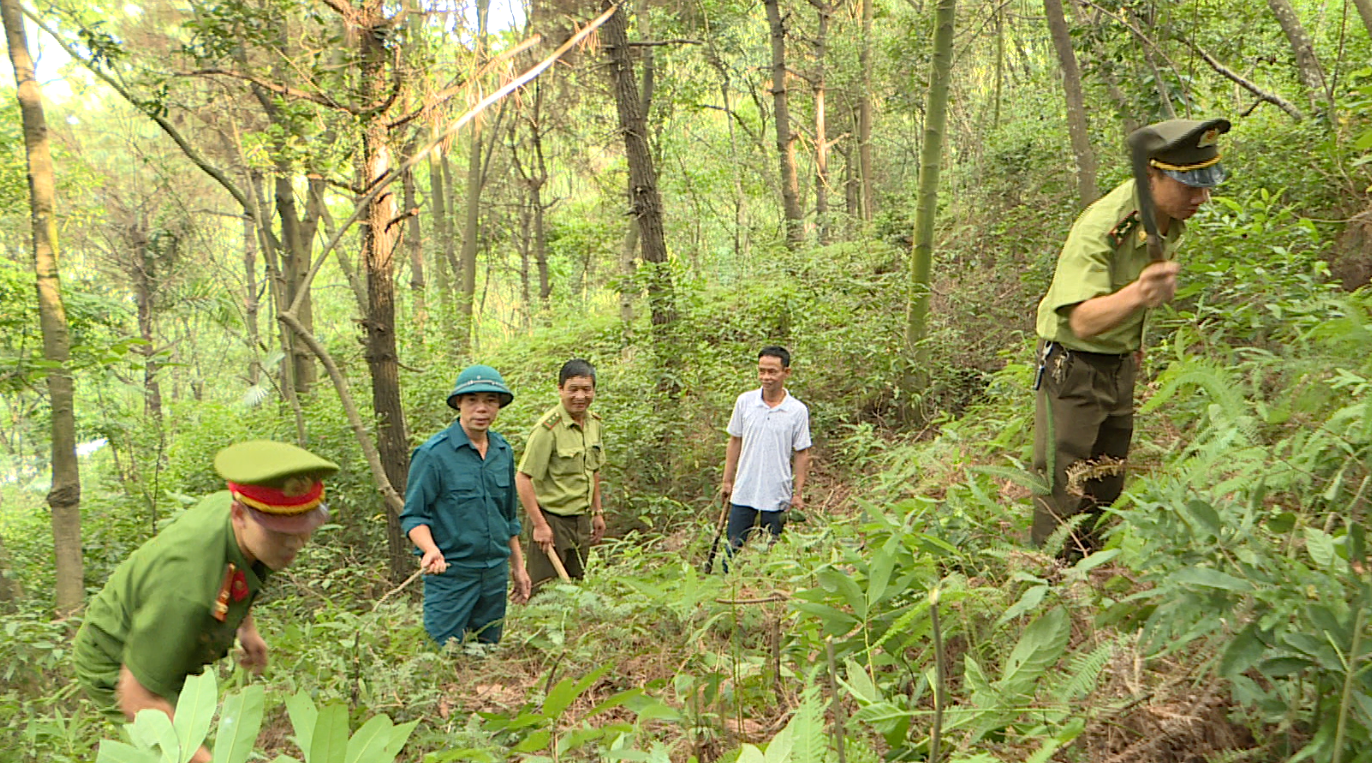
x=904 y=620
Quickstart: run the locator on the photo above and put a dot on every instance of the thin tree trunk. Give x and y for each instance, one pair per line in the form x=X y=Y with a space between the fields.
x=821 y=129
x=930 y=156
x=786 y=149
x=414 y=243
x=1077 y=127
x=65 y=496
x=144 y=277
x=471 y=232
x=864 y=116
x=250 y=300
x=378 y=252
x=443 y=243
x=646 y=203
x=1307 y=63
x=1365 y=11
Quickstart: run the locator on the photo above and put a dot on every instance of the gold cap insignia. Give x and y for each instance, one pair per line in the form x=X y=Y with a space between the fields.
x=1209 y=138
x=294 y=487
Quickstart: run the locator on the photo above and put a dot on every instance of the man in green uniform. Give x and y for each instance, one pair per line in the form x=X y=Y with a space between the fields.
x=559 y=477
x=179 y=601
x=1090 y=326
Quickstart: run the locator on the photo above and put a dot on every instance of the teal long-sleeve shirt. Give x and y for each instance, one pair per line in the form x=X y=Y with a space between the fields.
x=468 y=502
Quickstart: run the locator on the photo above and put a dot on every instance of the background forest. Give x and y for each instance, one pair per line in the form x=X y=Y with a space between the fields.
x=299 y=219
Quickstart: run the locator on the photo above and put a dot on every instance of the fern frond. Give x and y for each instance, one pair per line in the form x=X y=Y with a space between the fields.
x=1085 y=673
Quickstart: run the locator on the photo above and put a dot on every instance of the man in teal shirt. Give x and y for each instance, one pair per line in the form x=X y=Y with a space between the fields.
x=460 y=512
x=181 y=599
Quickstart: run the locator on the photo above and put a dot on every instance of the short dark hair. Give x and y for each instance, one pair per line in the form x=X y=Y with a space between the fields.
x=778 y=352
x=575 y=367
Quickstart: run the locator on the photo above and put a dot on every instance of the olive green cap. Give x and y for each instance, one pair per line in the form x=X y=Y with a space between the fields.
x=1185 y=149
x=480 y=378
x=266 y=462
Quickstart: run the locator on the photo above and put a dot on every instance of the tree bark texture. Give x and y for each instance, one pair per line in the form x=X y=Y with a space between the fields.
x=821 y=129
x=1307 y=63
x=786 y=148
x=1077 y=127
x=65 y=496
x=1365 y=11
x=930 y=156
x=471 y=230
x=250 y=300
x=645 y=201
x=864 y=116
x=378 y=252
x=414 y=244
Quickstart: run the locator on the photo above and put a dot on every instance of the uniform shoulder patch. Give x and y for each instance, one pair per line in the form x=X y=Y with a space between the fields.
x=1122 y=230
x=551 y=421
x=594 y=415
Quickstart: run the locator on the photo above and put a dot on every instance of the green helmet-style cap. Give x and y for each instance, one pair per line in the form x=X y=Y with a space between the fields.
x=1186 y=150
x=480 y=379
x=280 y=484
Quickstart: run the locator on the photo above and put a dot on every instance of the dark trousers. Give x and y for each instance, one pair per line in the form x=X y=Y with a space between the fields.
x=1083 y=423
x=572 y=541
x=744 y=521
x=461 y=601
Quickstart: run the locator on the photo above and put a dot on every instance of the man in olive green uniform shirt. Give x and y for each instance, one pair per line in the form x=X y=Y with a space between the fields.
x=177 y=604
x=559 y=478
x=1090 y=326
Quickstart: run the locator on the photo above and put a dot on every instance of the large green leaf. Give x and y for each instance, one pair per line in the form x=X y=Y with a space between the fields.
x=1038 y=649
x=194 y=712
x=879 y=574
x=329 y=743
x=118 y=752
x=152 y=728
x=843 y=584
x=369 y=744
x=562 y=695
x=303 y=715
x=1243 y=652
x=399 y=736
x=239 y=722
x=1211 y=578
x=1320 y=545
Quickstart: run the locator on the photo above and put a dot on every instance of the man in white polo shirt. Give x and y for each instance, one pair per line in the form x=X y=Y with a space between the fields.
x=769 y=452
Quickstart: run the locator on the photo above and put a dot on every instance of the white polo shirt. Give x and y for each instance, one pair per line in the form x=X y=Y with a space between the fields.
x=770 y=435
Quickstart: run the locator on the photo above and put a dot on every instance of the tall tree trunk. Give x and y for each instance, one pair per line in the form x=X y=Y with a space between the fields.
x=821 y=130
x=378 y=252
x=144 y=277
x=250 y=300
x=864 y=115
x=1077 y=127
x=65 y=496
x=443 y=243
x=930 y=156
x=786 y=148
x=646 y=203
x=471 y=232
x=1307 y=63
x=414 y=243
x=1365 y=11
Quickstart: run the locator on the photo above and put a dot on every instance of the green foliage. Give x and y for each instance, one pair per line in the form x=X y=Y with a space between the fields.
x=321 y=733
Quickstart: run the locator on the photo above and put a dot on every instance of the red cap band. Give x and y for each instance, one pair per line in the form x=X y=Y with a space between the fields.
x=278 y=501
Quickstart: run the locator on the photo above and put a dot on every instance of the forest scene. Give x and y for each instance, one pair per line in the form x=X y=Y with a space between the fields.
x=301 y=220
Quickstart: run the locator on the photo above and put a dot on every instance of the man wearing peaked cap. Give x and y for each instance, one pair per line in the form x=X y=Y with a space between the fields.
x=460 y=512
x=178 y=602
x=1090 y=323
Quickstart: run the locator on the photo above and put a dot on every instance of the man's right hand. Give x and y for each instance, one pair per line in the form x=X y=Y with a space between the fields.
x=433 y=563
x=726 y=491
x=543 y=538
x=1158 y=283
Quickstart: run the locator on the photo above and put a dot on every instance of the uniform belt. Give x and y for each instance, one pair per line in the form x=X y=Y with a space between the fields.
x=1097 y=357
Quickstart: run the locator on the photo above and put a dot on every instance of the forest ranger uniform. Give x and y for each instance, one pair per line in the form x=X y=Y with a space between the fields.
x=469 y=504
x=175 y=605
x=562 y=458
x=1084 y=406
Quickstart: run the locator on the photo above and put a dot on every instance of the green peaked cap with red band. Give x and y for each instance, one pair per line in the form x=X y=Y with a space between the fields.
x=269 y=463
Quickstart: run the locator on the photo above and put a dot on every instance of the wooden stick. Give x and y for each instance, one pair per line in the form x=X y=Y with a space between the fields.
x=556 y=559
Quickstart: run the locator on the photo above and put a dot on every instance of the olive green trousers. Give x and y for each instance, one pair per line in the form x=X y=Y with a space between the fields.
x=1083 y=423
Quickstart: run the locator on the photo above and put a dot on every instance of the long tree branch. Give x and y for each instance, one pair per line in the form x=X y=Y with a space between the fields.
x=387 y=490
x=377 y=187
x=448 y=92
x=305 y=95
x=161 y=121
x=1262 y=95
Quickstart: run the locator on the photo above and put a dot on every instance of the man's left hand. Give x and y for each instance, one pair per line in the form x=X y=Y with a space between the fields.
x=797 y=502
x=522 y=585
x=597 y=527
x=253 y=654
